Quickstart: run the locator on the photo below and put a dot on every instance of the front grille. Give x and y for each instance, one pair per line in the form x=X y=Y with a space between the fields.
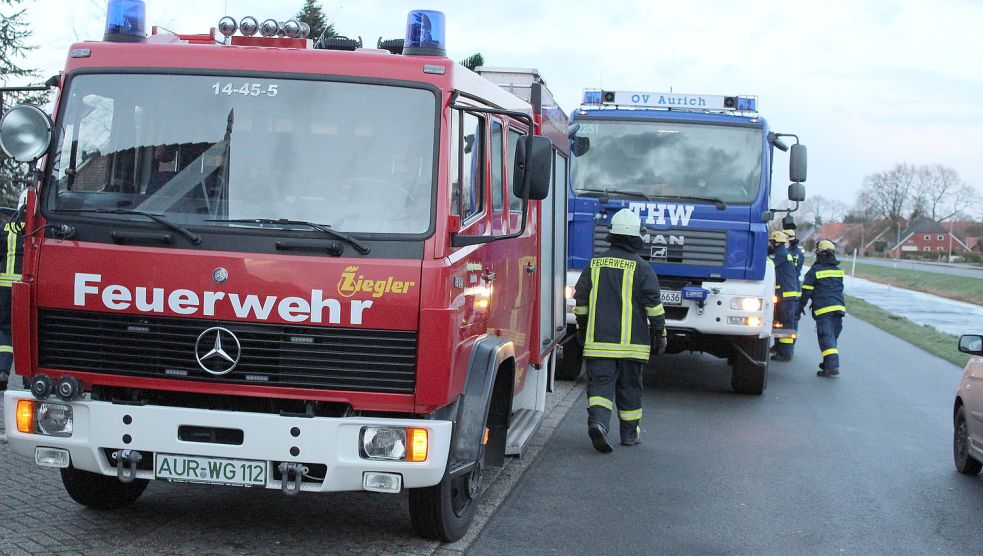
x=676 y=313
x=699 y=248
x=272 y=355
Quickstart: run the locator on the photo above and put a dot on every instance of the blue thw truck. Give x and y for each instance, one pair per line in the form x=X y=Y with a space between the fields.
x=697 y=169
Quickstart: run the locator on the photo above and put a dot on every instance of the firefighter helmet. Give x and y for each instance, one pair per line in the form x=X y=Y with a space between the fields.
x=778 y=237
x=790 y=234
x=825 y=246
x=626 y=223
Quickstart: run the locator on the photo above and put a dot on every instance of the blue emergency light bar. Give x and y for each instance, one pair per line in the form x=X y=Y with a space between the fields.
x=425 y=34
x=126 y=21
x=671 y=101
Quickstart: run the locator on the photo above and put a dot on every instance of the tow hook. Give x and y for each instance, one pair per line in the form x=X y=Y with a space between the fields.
x=126 y=465
x=293 y=474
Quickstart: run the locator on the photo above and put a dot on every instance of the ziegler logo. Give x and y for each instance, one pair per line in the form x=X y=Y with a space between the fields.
x=349 y=284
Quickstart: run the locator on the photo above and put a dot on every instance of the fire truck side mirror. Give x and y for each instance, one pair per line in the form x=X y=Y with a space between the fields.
x=797 y=164
x=533 y=167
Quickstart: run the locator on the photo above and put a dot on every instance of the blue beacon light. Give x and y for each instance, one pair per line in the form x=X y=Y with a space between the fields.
x=126 y=21
x=425 y=34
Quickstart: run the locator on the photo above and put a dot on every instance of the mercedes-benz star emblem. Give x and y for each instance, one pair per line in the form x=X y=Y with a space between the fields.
x=220 y=275
x=218 y=351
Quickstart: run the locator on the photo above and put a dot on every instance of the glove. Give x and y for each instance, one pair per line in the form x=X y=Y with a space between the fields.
x=659 y=341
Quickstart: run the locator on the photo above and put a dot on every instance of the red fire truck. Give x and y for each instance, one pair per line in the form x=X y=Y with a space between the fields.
x=254 y=262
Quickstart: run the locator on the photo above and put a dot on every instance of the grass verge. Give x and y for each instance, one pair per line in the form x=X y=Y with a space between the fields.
x=929 y=339
x=959 y=288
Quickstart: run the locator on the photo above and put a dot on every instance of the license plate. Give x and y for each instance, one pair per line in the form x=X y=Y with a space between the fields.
x=670 y=297
x=198 y=469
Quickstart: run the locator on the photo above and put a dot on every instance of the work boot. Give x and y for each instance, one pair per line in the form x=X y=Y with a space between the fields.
x=630 y=438
x=599 y=437
x=828 y=372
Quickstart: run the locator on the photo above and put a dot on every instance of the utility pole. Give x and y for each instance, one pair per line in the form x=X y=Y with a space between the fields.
x=949 y=260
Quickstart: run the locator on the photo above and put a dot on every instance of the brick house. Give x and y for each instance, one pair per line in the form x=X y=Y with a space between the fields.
x=922 y=238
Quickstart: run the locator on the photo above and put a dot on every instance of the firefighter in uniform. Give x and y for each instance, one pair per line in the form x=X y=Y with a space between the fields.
x=621 y=322
x=787 y=293
x=799 y=260
x=11 y=257
x=823 y=285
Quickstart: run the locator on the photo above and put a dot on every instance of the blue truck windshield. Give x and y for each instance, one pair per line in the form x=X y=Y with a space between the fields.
x=202 y=149
x=664 y=159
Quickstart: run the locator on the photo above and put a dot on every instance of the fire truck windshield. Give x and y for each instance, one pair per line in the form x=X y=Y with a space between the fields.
x=661 y=159
x=204 y=150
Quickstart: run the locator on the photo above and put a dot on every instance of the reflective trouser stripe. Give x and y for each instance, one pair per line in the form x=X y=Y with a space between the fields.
x=633 y=415
x=805 y=287
x=830 y=351
x=791 y=294
x=6 y=349
x=11 y=248
x=830 y=309
x=599 y=401
x=787 y=340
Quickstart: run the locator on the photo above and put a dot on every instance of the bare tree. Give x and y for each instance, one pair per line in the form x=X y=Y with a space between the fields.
x=940 y=194
x=819 y=210
x=888 y=194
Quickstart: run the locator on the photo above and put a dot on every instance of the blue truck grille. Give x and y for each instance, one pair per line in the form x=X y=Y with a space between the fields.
x=271 y=354
x=706 y=248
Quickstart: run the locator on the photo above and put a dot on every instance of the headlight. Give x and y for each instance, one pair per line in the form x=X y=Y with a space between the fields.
x=54 y=419
x=750 y=304
x=396 y=444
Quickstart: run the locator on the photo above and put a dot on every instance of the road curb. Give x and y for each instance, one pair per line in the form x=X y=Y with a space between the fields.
x=500 y=488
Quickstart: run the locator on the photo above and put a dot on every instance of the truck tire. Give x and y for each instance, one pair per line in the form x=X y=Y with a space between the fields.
x=571 y=364
x=444 y=511
x=746 y=377
x=101 y=492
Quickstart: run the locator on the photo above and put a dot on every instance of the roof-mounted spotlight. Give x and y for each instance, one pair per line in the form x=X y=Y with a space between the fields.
x=270 y=28
x=227 y=26
x=248 y=26
x=291 y=29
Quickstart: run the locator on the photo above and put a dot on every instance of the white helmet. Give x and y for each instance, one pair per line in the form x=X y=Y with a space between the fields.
x=626 y=223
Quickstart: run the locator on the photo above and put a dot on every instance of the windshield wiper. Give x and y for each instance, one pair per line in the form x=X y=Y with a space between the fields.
x=194 y=238
x=607 y=193
x=323 y=228
x=721 y=205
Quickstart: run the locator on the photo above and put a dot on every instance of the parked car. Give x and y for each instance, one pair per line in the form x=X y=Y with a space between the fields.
x=967 y=413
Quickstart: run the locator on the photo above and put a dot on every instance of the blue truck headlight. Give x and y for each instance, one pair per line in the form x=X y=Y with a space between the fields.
x=750 y=304
x=54 y=419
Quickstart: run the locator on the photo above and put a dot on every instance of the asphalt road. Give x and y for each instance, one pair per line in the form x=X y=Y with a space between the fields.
x=857 y=464
x=938 y=268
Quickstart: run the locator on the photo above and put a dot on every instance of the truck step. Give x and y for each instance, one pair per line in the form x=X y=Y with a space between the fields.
x=524 y=422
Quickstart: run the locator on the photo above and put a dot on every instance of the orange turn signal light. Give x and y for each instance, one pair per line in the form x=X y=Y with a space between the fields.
x=418 y=444
x=25 y=416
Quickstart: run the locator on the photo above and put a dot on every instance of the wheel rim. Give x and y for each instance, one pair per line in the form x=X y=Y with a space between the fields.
x=461 y=494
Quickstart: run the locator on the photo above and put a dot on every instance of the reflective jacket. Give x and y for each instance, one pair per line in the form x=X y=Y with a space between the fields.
x=11 y=254
x=617 y=301
x=798 y=258
x=823 y=284
x=786 y=278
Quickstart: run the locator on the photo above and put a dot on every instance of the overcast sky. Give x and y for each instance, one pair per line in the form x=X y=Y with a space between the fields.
x=865 y=83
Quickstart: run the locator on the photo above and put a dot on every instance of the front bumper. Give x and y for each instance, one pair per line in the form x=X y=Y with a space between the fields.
x=333 y=442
